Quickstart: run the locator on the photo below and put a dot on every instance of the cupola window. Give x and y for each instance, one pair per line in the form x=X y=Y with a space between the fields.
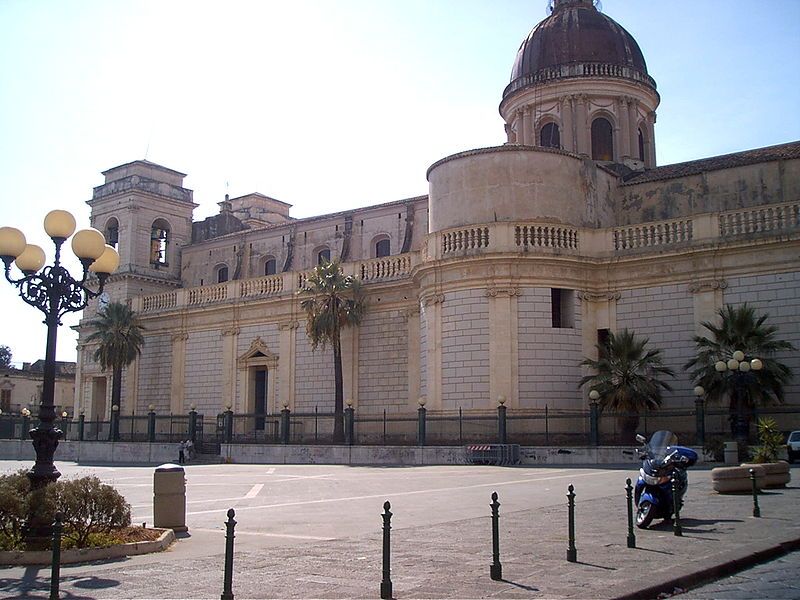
x=323 y=256
x=222 y=274
x=269 y=266
x=382 y=248
x=549 y=136
x=602 y=139
x=641 y=145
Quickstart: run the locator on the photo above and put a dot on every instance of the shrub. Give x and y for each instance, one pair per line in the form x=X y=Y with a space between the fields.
x=90 y=507
x=771 y=440
x=14 y=490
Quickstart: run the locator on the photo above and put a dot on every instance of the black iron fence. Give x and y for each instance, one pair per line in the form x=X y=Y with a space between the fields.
x=696 y=426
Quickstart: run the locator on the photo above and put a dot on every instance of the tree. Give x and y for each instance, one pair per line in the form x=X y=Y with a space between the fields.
x=627 y=377
x=5 y=357
x=332 y=302
x=119 y=334
x=741 y=330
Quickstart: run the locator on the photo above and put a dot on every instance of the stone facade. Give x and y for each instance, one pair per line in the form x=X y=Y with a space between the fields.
x=497 y=283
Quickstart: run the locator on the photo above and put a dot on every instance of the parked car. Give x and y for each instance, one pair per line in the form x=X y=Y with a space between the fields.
x=793 y=446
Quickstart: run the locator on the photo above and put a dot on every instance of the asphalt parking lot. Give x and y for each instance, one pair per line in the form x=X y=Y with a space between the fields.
x=314 y=531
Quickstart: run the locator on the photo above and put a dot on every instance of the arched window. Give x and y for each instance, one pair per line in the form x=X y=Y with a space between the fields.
x=112 y=232
x=323 y=255
x=602 y=139
x=270 y=266
x=382 y=248
x=159 y=243
x=222 y=273
x=549 y=136
x=641 y=145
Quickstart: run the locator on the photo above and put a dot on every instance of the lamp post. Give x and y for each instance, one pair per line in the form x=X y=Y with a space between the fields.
x=739 y=367
x=54 y=292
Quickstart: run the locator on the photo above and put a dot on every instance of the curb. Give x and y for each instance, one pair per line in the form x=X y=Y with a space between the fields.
x=81 y=555
x=709 y=570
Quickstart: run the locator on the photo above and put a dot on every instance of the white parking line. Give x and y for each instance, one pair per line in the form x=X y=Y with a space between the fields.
x=395 y=494
x=254 y=491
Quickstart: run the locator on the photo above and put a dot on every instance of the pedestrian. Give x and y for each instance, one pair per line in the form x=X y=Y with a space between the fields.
x=189 y=449
x=181 y=452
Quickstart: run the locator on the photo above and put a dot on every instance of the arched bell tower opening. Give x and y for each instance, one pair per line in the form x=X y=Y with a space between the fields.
x=577 y=75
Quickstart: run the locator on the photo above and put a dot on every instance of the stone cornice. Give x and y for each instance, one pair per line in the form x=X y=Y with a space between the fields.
x=494 y=292
x=432 y=299
x=598 y=297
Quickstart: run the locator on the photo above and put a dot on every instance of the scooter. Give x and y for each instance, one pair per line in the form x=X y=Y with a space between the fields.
x=663 y=462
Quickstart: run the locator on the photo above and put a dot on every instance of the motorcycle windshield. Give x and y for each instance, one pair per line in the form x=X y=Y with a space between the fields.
x=659 y=442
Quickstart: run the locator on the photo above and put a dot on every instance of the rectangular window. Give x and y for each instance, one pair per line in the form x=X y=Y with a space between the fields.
x=562 y=307
x=602 y=337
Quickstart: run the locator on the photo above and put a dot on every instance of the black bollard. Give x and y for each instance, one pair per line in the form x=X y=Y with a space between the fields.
x=629 y=494
x=227 y=585
x=496 y=570
x=756 y=508
x=55 y=566
x=676 y=508
x=572 y=551
x=386 y=582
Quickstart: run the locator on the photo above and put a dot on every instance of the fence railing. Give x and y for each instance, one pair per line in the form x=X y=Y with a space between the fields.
x=697 y=425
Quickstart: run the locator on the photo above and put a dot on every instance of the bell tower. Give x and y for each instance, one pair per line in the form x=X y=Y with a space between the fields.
x=144 y=210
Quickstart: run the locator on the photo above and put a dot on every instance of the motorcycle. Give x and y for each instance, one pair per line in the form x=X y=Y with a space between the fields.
x=663 y=462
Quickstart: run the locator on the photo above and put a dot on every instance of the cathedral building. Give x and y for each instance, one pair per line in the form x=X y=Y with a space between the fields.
x=520 y=259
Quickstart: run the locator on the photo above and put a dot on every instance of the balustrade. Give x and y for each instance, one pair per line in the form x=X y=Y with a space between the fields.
x=760 y=219
x=649 y=235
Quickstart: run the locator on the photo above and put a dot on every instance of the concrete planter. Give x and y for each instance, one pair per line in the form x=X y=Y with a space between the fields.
x=777 y=473
x=732 y=480
x=80 y=555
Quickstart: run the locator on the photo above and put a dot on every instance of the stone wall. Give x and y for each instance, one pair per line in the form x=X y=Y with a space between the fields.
x=383 y=363
x=548 y=356
x=665 y=314
x=776 y=295
x=204 y=371
x=314 y=384
x=155 y=368
x=465 y=350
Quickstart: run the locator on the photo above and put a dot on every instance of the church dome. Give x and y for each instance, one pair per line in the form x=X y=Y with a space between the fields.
x=577 y=40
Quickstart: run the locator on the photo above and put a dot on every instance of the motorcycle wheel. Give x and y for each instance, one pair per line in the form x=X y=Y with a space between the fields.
x=644 y=515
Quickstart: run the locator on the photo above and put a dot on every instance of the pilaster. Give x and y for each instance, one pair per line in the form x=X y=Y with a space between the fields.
x=432 y=305
x=503 y=346
x=178 y=373
x=230 y=336
x=414 y=352
x=349 y=340
x=287 y=363
x=707 y=297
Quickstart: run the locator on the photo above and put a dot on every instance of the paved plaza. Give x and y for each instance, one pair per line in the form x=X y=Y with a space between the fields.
x=314 y=531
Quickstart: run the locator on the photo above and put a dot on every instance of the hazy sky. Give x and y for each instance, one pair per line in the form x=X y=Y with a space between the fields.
x=331 y=104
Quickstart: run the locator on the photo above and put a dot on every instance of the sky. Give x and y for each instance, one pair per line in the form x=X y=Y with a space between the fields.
x=330 y=104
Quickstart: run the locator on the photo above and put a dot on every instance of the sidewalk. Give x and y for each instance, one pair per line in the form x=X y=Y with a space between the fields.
x=451 y=560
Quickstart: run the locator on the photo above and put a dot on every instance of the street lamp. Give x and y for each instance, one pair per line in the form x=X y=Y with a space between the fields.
x=54 y=292
x=738 y=367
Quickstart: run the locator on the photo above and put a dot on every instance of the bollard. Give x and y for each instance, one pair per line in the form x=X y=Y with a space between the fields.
x=151 y=426
x=55 y=565
x=676 y=507
x=421 y=425
x=629 y=494
x=386 y=582
x=496 y=569
x=227 y=582
x=501 y=424
x=572 y=551
x=285 y=425
x=756 y=509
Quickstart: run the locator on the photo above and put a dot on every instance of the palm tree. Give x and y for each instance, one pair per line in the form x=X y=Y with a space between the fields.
x=627 y=377
x=740 y=330
x=119 y=334
x=333 y=301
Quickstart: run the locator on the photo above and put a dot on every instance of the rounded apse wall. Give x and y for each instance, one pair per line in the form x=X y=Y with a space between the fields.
x=519 y=183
